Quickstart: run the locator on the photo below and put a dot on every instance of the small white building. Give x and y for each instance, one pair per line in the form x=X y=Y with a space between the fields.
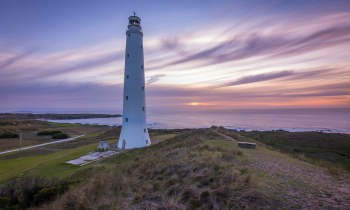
x=134 y=131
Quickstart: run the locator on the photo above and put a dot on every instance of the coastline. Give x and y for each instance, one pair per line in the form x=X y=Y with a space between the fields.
x=99 y=121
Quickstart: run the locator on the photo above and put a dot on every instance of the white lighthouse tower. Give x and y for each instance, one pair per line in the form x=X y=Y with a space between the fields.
x=134 y=127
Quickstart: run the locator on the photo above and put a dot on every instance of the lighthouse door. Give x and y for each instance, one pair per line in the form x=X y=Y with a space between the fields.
x=124 y=142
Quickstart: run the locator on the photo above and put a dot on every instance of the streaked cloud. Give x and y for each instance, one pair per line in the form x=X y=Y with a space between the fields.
x=272 y=54
x=16 y=58
x=154 y=78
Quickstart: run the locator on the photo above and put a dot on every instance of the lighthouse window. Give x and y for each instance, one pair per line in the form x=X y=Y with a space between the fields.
x=126 y=119
x=128 y=55
x=143 y=88
x=141 y=46
x=127 y=98
x=146 y=141
x=129 y=35
x=143 y=108
x=127 y=76
x=141 y=67
x=144 y=130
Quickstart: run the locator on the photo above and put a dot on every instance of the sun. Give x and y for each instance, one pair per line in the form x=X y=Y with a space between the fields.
x=194 y=104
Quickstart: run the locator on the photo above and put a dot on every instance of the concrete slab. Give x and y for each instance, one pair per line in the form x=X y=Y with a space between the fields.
x=91 y=157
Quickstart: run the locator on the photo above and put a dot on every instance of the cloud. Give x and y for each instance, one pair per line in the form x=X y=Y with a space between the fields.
x=59 y=67
x=260 y=78
x=250 y=45
x=170 y=43
x=16 y=58
x=154 y=78
x=86 y=64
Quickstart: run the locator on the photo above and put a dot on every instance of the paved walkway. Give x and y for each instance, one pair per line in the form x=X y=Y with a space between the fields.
x=39 y=145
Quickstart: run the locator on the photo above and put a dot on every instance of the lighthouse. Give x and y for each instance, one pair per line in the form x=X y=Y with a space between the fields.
x=134 y=131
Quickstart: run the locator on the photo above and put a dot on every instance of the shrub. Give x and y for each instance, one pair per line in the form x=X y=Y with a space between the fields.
x=48 y=133
x=8 y=135
x=60 y=136
x=47 y=194
x=4 y=201
x=28 y=191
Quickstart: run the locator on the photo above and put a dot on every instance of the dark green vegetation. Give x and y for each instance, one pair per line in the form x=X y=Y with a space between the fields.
x=54 y=134
x=322 y=148
x=20 y=116
x=180 y=173
x=48 y=133
x=8 y=135
x=60 y=136
x=25 y=192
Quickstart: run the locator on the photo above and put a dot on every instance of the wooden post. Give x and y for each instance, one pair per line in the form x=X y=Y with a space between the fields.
x=20 y=140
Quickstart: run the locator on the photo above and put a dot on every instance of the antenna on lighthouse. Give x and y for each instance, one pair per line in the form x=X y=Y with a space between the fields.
x=135 y=13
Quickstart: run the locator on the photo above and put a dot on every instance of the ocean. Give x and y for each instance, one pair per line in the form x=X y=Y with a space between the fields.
x=293 y=120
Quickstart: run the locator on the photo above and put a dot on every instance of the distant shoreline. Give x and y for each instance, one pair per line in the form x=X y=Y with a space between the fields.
x=238 y=129
x=48 y=116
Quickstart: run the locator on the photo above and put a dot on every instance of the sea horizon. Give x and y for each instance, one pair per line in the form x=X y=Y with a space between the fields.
x=331 y=120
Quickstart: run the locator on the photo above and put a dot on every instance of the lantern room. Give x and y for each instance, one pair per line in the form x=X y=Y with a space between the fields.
x=134 y=20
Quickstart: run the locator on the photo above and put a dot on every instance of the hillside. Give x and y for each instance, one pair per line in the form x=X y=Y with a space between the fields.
x=196 y=169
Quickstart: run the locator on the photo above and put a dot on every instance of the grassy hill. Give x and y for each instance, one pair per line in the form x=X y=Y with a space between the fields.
x=196 y=169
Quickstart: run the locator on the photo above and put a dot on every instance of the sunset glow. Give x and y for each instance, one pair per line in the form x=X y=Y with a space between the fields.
x=287 y=55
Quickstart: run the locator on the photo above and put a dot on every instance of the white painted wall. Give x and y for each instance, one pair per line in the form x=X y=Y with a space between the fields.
x=133 y=131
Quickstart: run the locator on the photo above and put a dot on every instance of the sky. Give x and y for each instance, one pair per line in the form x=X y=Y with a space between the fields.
x=69 y=55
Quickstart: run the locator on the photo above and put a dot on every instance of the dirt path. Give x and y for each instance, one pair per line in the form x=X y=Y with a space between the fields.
x=296 y=184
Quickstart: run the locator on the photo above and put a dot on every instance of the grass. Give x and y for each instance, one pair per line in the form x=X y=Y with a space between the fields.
x=183 y=172
x=327 y=149
x=15 y=163
x=42 y=162
x=12 y=167
x=32 y=127
x=223 y=144
x=66 y=124
x=55 y=167
x=196 y=169
x=8 y=144
x=163 y=137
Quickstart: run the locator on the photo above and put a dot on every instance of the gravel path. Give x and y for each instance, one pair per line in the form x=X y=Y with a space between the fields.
x=295 y=184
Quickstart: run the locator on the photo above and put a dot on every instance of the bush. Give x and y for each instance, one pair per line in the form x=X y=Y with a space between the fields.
x=47 y=194
x=8 y=135
x=48 y=133
x=25 y=192
x=60 y=136
x=4 y=201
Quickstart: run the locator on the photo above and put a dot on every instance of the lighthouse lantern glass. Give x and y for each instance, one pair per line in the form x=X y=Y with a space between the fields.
x=134 y=22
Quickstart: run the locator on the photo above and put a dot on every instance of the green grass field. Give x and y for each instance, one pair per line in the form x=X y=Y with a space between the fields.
x=41 y=162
